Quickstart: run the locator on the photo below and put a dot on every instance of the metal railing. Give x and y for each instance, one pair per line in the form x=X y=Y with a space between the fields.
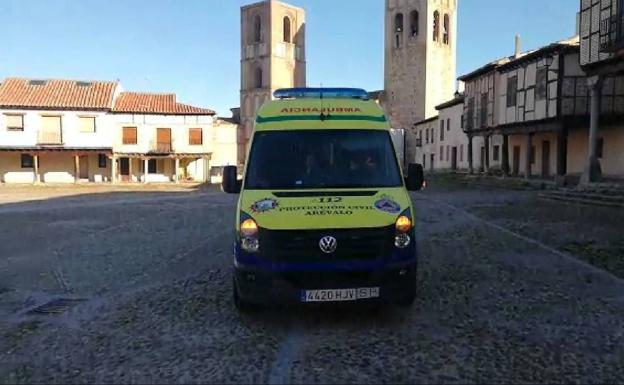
x=157 y=147
x=50 y=137
x=612 y=33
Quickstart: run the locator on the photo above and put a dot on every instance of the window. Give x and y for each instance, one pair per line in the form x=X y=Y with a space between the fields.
x=432 y=135
x=448 y=124
x=287 y=36
x=102 y=161
x=484 y=110
x=258 y=78
x=448 y=153
x=257 y=30
x=414 y=23
x=195 y=136
x=27 y=161
x=461 y=122
x=441 y=153
x=398 y=22
x=461 y=152
x=442 y=130
x=322 y=159
x=87 y=123
x=15 y=122
x=496 y=155
x=599 y=148
x=129 y=135
x=436 y=26
x=398 y=29
x=541 y=83
x=427 y=136
x=447 y=29
x=512 y=90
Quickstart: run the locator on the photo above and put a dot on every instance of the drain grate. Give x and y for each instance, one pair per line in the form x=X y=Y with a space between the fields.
x=57 y=306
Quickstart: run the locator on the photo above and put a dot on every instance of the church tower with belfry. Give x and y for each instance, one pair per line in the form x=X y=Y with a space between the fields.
x=272 y=57
x=420 y=58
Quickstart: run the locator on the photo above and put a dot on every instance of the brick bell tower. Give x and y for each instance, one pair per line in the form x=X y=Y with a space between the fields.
x=420 y=58
x=272 y=57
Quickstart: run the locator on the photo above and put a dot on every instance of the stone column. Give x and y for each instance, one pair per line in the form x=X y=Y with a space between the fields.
x=527 y=160
x=130 y=160
x=145 y=169
x=176 y=167
x=486 y=166
x=76 y=168
x=37 y=178
x=470 y=162
x=505 y=154
x=114 y=169
x=593 y=171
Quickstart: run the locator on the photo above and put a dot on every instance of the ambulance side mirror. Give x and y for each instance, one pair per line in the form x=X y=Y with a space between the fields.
x=415 y=177
x=230 y=183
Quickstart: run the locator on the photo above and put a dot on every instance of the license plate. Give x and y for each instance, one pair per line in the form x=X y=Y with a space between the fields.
x=339 y=295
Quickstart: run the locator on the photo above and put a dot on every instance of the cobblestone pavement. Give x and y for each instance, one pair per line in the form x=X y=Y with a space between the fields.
x=495 y=305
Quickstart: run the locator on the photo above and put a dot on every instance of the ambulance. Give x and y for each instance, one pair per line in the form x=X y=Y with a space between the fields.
x=324 y=213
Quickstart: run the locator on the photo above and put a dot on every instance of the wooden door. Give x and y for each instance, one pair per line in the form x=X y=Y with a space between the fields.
x=545 y=159
x=84 y=167
x=454 y=158
x=124 y=169
x=516 y=161
x=163 y=139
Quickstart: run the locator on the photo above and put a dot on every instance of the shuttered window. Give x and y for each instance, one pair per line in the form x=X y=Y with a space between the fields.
x=129 y=135
x=15 y=122
x=51 y=123
x=87 y=123
x=195 y=136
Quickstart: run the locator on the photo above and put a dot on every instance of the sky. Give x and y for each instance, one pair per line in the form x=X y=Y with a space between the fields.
x=191 y=47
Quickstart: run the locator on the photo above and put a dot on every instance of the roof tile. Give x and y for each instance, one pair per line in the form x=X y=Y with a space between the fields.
x=135 y=102
x=56 y=93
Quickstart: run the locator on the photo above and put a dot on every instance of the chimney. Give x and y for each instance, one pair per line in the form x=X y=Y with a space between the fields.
x=518 y=47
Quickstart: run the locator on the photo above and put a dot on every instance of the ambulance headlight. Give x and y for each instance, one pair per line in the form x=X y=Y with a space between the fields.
x=249 y=230
x=402 y=240
x=250 y=245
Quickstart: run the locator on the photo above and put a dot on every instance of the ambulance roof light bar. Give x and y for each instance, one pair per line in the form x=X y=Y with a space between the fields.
x=321 y=93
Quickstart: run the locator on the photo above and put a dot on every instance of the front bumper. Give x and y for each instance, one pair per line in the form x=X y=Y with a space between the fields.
x=261 y=286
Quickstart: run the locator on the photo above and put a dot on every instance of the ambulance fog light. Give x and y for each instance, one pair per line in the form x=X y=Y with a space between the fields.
x=402 y=241
x=250 y=245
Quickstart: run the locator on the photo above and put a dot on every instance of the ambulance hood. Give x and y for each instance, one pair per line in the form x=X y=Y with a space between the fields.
x=313 y=210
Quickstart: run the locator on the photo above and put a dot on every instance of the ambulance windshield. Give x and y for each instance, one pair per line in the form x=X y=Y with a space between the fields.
x=313 y=159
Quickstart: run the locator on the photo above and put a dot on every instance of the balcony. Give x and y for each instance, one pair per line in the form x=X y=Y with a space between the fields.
x=160 y=147
x=50 y=138
x=612 y=34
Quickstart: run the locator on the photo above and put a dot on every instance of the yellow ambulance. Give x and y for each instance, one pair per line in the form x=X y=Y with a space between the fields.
x=324 y=213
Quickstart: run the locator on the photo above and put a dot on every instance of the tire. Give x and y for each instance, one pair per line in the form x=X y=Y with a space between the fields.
x=407 y=296
x=240 y=304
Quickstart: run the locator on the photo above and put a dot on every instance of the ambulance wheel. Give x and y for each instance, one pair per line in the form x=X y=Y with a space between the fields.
x=407 y=297
x=240 y=304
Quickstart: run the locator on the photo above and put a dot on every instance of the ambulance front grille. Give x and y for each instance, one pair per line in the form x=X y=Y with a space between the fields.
x=303 y=246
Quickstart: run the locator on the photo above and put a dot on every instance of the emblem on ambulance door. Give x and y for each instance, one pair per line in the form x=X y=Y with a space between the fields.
x=264 y=205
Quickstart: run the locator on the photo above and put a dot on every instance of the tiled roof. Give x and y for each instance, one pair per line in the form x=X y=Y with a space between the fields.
x=135 y=102
x=56 y=94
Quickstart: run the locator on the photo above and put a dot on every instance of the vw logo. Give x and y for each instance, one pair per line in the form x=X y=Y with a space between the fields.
x=328 y=244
